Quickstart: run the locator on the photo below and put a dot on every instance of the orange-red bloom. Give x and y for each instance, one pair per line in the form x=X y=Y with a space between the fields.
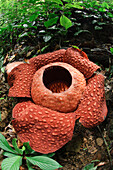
x=60 y=87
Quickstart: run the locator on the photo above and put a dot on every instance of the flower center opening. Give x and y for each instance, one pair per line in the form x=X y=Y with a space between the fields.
x=57 y=79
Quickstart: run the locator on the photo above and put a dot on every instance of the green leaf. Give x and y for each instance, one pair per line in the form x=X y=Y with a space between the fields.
x=20 y=151
x=33 y=17
x=102 y=9
x=11 y=163
x=3 y=69
x=58 y=1
x=44 y=162
x=73 y=5
x=47 y=38
x=90 y=167
x=101 y=23
x=65 y=22
x=49 y=154
x=74 y=46
x=23 y=34
x=111 y=49
x=8 y=154
x=29 y=165
x=1 y=98
x=98 y=28
x=105 y=5
x=42 y=50
x=4 y=144
x=110 y=14
x=78 y=32
x=50 y=22
x=28 y=149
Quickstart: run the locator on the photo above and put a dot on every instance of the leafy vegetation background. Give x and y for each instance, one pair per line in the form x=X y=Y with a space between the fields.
x=38 y=25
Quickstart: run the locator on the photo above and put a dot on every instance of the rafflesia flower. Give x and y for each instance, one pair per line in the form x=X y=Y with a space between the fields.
x=57 y=88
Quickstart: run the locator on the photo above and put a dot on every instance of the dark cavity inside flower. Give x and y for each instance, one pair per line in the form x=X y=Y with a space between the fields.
x=57 y=79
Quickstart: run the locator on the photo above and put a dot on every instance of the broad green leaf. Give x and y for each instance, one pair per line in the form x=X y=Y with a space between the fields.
x=33 y=17
x=56 y=1
x=73 y=5
x=11 y=163
x=105 y=5
x=110 y=14
x=90 y=167
x=47 y=38
x=29 y=165
x=50 y=22
x=20 y=151
x=4 y=144
x=65 y=22
x=44 y=162
x=8 y=154
x=102 y=9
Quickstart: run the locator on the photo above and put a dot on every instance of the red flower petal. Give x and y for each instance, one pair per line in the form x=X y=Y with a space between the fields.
x=82 y=53
x=43 y=59
x=79 y=60
x=17 y=110
x=11 y=66
x=20 y=78
x=92 y=110
x=46 y=130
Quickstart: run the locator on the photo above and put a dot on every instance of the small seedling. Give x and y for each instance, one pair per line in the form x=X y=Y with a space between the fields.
x=16 y=156
x=90 y=167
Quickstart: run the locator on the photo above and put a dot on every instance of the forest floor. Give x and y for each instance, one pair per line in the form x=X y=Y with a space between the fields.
x=87 y=145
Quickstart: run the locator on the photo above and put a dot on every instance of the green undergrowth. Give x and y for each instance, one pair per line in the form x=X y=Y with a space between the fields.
x=15 y=157
x=32 y=23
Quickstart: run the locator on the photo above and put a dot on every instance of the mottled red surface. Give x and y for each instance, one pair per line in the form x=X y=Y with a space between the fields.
x=80 y=62
x=93 y=110
x=44 y=59
x=20 y=107
x=46 y=129
x=66 y=101
x=20 y=79
x=11 y=66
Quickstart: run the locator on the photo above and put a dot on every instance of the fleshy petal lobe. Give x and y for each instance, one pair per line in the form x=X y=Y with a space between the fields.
x=11 y=66
x=46 y=130
x=92 y=110
x=20 y=79
x=20 y=107
x=79 y=60
x=43 y=59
